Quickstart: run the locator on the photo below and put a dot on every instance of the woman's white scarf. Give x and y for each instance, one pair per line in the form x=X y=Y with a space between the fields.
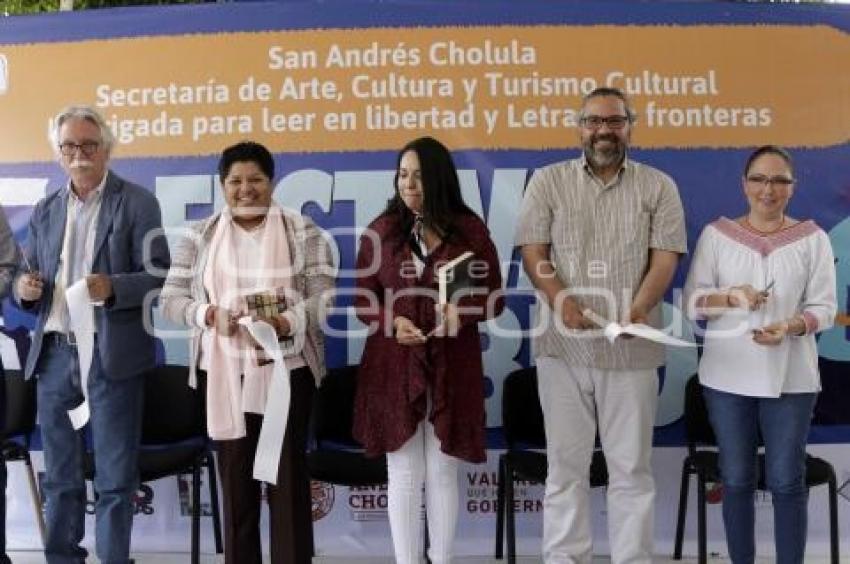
x=228 y=396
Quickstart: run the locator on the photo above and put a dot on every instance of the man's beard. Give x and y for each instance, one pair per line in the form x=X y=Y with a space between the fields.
x=606 y=157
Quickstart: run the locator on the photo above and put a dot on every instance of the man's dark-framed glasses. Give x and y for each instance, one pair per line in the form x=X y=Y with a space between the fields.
x=613 y=122
x=87 y=148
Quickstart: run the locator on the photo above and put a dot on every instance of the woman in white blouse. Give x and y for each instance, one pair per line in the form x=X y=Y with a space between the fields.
x=765 y=283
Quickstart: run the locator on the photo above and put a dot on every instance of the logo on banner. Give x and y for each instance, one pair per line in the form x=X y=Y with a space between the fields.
x=322 y=495
x=481 y=494
x=844 y=489
x=4 y=74
x=714 y=493
x=184 y=491
x=142 y=500
x=368 y=503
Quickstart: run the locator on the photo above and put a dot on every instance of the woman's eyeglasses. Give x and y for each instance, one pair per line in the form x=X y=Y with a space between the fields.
x=765 y=180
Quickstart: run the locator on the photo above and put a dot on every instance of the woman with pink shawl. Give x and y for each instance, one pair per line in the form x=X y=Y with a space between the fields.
x=259 y=260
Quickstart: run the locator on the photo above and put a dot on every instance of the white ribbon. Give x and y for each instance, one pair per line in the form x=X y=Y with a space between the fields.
x=273 y=430
x=81 y=323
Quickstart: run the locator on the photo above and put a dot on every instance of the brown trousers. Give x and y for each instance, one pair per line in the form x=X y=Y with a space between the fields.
x=290 y=511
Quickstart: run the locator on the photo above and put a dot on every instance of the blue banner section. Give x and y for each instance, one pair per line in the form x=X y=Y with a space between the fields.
x=709 y=181
x=344 y=190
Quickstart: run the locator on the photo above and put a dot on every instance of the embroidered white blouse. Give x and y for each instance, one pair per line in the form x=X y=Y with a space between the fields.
x=798 y=261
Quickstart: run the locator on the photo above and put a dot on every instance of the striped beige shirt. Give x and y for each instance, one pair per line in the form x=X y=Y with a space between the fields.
x=600 y=236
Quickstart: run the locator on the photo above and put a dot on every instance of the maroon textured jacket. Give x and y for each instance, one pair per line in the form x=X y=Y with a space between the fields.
x=394 y=379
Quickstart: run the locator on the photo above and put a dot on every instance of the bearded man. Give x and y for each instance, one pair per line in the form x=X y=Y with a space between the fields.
x=602 y=234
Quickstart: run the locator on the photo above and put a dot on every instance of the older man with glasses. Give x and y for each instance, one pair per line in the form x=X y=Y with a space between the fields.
x=92 y=231
x=601 y=236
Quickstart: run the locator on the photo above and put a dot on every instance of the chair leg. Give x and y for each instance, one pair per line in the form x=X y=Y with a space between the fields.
x=196 y=512
x=510 y=516
x=683 y=509
x=500 y=510
x=35 y=497
x=212 y=480
x=702 y=540
x=426 y=538
x=833 y=518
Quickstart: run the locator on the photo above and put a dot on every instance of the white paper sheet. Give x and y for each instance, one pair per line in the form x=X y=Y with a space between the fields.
x=273 y=430
x=612 y=330
x=81 y=321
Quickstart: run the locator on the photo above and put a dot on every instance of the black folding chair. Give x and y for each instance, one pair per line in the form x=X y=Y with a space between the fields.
x=335 y=456
x=174 y=442
x=19 y=424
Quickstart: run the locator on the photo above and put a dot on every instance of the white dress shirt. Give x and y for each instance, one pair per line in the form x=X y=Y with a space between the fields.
x=75 y=260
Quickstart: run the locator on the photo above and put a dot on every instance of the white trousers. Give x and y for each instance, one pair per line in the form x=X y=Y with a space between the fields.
x=419 y=461
x=623 y=403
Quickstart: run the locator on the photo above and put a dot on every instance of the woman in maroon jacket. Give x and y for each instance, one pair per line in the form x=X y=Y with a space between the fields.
x=420 y=395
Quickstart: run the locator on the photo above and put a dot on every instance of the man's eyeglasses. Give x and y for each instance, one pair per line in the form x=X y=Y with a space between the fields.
x=87 y=148
x=613 y=122
x=765 y=180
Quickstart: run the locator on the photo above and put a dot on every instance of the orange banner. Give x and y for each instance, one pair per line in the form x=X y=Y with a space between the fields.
x=488 y=87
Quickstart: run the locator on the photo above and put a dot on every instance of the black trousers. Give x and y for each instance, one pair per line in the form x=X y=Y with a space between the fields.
x=290 y=510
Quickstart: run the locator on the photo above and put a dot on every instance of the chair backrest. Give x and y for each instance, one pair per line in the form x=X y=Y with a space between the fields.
x=831 y=407
x=333 y=407
x=20 y=404
x=173 y=411
x=522 y=417
x=697 y=424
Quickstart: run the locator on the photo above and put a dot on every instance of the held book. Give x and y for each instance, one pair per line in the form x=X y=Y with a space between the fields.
x=458 y=275
x=266 y=304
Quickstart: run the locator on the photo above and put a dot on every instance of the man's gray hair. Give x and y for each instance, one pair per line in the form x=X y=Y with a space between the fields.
x=609 y=91
x=80 y=112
